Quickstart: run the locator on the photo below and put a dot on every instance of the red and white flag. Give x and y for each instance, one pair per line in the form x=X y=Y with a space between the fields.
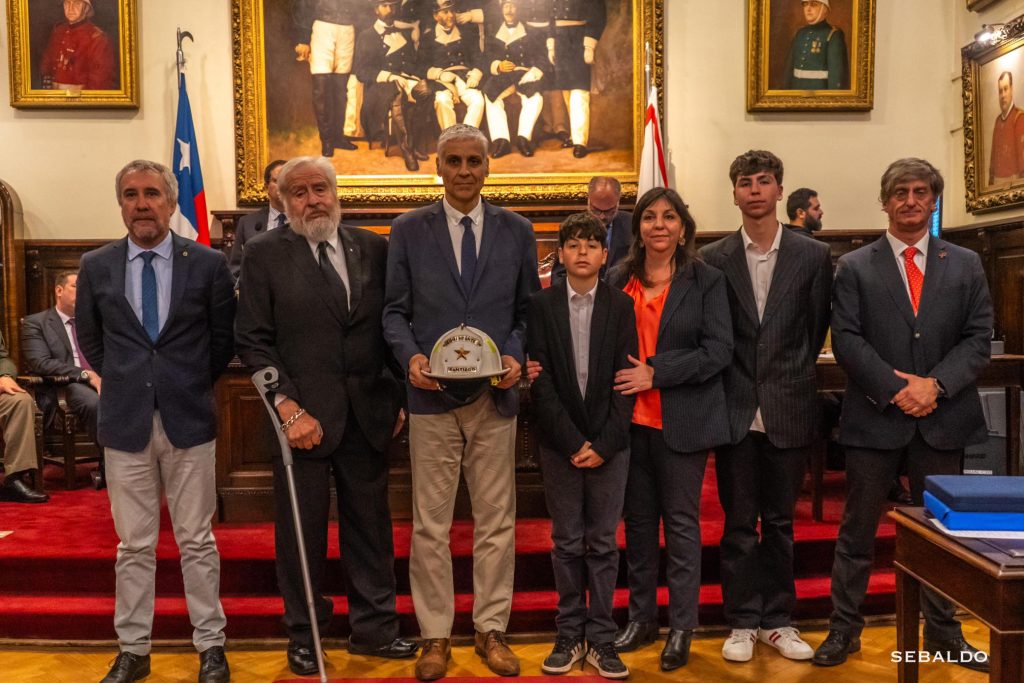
x=652 y=158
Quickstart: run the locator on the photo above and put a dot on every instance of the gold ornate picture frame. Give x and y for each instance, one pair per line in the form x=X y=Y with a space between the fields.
x=70 y=57
x=274 y=115
x=810 y=56
x=993 y=123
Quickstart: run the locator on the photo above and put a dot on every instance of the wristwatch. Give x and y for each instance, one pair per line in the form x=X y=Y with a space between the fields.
x=939 y=388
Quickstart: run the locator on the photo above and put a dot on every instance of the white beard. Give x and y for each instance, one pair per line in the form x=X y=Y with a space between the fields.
x=317 y=229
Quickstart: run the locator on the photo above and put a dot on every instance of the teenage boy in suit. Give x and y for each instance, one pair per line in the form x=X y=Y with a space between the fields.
x=582 y=330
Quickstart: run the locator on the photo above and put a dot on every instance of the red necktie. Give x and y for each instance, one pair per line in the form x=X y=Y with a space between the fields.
x=915 y=278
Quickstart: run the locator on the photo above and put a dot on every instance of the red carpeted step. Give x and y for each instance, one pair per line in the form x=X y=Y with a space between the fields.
x=91 y=618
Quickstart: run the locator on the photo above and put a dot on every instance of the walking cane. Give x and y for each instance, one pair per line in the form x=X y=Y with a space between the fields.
x=266 y=382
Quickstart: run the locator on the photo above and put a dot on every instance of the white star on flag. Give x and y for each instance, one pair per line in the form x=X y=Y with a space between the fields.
x=185 y=150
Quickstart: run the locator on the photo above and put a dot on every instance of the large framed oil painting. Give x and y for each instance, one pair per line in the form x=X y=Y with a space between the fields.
x=559 y=88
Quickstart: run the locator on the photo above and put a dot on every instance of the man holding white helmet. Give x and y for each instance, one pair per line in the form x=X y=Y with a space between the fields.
x=461 y=261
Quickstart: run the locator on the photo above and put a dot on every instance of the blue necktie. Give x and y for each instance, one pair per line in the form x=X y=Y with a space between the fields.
x=279 y=223
x=150 y=308
x=608 y=238
x=468 y=253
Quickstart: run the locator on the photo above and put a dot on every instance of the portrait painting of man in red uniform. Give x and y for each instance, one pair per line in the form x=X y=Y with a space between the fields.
x=79 y=54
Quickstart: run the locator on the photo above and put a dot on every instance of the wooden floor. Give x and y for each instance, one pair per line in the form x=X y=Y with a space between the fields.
x=249 y=664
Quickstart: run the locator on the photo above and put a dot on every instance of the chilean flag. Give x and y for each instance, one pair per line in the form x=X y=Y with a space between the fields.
x=652 y=157
x=190 y=220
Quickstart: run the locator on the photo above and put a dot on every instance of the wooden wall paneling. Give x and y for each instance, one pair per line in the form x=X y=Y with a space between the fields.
x=12 y=267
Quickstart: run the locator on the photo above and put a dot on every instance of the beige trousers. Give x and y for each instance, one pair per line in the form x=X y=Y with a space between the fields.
x=478 y=442
x=16 y=420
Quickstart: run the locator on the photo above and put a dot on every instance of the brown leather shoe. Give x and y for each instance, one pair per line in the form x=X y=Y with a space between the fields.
x=433 y=661
x=492 y=648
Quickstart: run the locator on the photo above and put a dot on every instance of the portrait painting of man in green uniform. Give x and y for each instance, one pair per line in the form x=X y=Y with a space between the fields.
x=818 y=57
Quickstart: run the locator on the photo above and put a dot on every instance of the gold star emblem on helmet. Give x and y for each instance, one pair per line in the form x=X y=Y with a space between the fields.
x=463 y=353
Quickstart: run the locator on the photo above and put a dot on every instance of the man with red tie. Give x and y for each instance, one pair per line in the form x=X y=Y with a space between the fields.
x=911 y=324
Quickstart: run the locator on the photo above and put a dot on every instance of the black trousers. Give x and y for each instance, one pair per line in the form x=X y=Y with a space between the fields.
x=364 y=534
x=758 y=482
x=663 y=486
x=869 y=474
x=585 y=507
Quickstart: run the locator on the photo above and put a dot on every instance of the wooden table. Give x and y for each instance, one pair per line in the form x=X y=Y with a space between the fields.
x=1004 y=372
x=974 y=574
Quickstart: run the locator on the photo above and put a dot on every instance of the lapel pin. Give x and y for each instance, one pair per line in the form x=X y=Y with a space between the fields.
x=185 y=253
x=942 y=254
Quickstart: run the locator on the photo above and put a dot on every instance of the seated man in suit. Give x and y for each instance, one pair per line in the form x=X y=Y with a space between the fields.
x=911 y=324
x=265 y=219
x=16 y=421
x=515 y=62
x=49 y=344
x=451 y=61
x=603 y=194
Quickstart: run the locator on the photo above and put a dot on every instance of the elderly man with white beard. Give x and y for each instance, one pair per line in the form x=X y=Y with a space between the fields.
x=310 y=305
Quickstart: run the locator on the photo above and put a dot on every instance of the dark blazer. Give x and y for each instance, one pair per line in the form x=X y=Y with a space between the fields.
x=694 y=346
x=45 y=346
x=565 y=417
x=327 y=361
x=46 y=350
x=425 y=297
x=175 y=374
x=622 y=237
x=874 y=330
x=773 y=365
x=249 y=225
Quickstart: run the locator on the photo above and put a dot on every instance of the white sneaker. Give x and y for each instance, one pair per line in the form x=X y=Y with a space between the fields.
x=739 y=646
x=786 y=640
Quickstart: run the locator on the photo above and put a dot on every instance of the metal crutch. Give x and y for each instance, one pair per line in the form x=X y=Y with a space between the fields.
x=266 y=383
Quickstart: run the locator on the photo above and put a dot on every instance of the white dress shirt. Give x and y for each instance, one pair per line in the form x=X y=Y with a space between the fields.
x=71 y=339
x=920 y=258
x=761 y=265
x=581 y=310
x=272 y=215
x=455 y=229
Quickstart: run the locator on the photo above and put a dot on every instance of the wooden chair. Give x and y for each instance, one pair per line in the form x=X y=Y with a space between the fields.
x=65 y=442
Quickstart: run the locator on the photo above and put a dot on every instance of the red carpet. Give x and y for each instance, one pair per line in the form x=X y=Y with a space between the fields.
x=57 y=570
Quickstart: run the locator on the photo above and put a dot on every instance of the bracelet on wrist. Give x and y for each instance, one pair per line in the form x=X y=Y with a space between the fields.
x=291 y=420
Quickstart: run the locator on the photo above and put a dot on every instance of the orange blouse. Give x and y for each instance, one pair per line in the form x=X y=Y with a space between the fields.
x=647 y=410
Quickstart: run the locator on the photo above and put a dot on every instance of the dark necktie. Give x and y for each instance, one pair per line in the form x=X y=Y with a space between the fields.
x=608 y=237
x=280 y=220
x=150 y=307
x=82 y=362
x=468 y=253
x=334 y=282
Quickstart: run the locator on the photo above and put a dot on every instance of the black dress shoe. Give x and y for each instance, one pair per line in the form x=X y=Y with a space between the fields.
x=14 y=490
x=99 y=482
x=500 y=148
x=213 y=666
x=345 y=144
x=836 y=647
x=411 y=164
x=301 y=659
x=399 y=648
x=677 y=650
x=565 y=139
x=958 y=651
x=636 y=634
x=580 y=151
x=127 y=667
x=898 y=494
x=524 y=146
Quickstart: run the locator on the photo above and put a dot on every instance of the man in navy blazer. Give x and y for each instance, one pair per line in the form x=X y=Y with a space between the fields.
x=258 y=222
x=155 y=315
x=461 y=260
x=911 y=326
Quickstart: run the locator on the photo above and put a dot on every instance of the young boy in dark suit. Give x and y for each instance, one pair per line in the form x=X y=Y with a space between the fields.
x=581 y=331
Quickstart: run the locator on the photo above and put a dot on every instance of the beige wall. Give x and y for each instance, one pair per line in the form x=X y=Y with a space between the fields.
x=62 y=163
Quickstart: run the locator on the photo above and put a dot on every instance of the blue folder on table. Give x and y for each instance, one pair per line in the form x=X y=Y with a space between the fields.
x=973 y=503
